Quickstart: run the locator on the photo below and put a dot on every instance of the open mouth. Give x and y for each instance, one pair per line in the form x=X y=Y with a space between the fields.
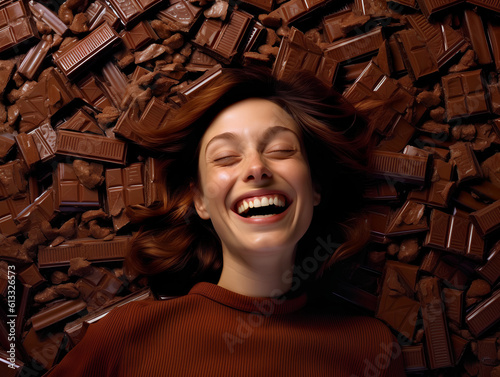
x=262 y=206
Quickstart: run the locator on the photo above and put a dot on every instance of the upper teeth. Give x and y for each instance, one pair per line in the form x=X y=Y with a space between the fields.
x=262 y=201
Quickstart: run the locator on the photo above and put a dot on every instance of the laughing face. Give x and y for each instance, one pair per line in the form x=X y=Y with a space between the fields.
x=254 y=179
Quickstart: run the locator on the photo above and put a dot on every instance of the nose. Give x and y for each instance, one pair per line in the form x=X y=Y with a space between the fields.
x=256 y=169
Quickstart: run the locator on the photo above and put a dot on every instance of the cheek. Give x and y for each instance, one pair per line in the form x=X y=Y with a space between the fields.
x=216 y=184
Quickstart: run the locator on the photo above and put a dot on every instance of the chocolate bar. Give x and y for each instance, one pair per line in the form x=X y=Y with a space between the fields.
x=190 y=90
x=454 y=234
x=70 y=193
x=491 y=269
x=78 y=56
x=57 y=313
x=465 y=94
x=13 y=182
x=299 y=53
x=437 y=338
x=355 y=47
x=9 y=209
x=139 y=36
x=90 y=88
x=414 y=358
x=93 y=147
x=129 y=10
x=181 y=13
x=417 y=57
x=16 y=25
x=124 y=187
x=400 y=167
x=99 y=12
x=222 y=39
x=88 y=248
x=474 y=29
x=429 y=7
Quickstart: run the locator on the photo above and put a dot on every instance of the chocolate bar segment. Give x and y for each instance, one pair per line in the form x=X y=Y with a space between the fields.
x=487 y=219
x=465 y=159
x=484 y=315
x=88 y=248
x=78 y=56
x=93 y=147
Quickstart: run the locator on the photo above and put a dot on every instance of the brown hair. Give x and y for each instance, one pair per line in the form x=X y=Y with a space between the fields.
x=177 y=245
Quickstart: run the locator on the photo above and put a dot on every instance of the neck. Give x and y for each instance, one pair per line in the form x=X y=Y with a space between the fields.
x=265 y=276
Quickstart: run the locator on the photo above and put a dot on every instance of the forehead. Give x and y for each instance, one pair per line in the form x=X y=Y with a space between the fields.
x=249 y=118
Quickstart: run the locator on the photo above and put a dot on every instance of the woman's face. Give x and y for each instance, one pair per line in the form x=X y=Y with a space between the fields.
x=254 y=179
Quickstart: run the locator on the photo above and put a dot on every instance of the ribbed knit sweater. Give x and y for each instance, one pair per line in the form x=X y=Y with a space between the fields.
x=212 y=331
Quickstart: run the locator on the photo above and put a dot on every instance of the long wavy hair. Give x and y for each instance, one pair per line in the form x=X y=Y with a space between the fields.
x=176 y=248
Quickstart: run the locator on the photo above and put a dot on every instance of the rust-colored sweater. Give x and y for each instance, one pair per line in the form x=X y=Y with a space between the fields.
x=215 y=332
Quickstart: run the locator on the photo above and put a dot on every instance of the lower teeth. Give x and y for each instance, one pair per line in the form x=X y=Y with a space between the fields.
x=261 y=216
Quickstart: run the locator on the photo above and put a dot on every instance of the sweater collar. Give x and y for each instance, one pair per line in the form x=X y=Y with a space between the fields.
x=265 y=305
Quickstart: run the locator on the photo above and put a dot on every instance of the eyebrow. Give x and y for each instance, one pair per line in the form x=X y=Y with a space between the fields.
x=270 y=132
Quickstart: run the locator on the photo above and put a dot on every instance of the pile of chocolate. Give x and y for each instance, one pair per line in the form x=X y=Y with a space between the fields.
x=79 y=78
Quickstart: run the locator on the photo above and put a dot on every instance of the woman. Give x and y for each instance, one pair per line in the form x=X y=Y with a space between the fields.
x=259 y=175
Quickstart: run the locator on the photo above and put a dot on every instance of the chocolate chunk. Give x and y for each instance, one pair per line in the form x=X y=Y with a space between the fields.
x=43 y=13
x=33 y=60
x=467 y=166
x=355 y=47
